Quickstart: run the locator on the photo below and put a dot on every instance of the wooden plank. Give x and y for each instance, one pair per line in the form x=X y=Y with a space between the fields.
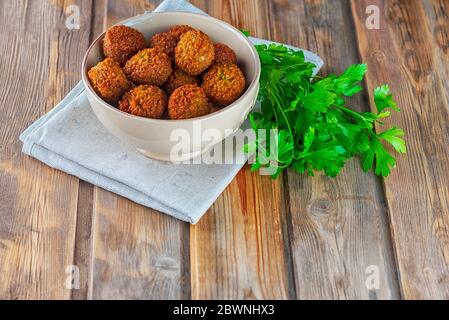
x=137 y=252
x=40 y=60
x=83 y=238
x=84 y=232
x=437 y=12
x=238 y=250
x=406 y=52
x=338 y=226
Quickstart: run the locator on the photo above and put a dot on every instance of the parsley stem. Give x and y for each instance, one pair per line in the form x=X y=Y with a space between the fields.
x=356 y=114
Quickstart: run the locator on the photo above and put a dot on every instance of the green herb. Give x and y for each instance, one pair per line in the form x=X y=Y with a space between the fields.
x=316 y=131
x=245 y=32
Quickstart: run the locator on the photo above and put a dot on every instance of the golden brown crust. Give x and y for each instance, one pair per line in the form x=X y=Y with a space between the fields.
x=121 y=43
x=149 y=66
x=178 y=79
x=166 y=42
x=224 y=83
x=188 y=102
x=224 y=54
x=144 y=101
x=178 y=31
x=108 y=80
x=194 y=53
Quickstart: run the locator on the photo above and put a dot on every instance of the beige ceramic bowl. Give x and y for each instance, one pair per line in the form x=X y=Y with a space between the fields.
x=158 y=139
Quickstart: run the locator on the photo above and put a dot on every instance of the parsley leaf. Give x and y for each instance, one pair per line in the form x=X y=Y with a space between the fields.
x=384 y=160
x=384 y=99
x=319 y=100
x=393 y=136
x=315 y=130
x=347 y=83
x=246 y=33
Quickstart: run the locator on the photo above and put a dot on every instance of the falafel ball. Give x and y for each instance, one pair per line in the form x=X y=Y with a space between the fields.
x=144 y=101
x=109 y=80
x=149 y=66
x=178 y=79
x=121 y=43
x=224 y=54
x=188 y=102
x=166 y=42
x=194 y=53
x=224 y=83
x=179 y=30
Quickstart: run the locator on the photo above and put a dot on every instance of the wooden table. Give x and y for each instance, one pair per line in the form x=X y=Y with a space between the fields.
x=296 y=237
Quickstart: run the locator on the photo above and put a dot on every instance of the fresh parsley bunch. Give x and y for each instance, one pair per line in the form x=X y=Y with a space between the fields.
x=316 y=131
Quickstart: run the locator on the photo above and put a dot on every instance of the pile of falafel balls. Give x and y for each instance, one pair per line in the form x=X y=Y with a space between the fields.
x=181 y=74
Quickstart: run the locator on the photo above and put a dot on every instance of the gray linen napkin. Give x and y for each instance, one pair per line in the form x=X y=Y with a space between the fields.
x=71 y=139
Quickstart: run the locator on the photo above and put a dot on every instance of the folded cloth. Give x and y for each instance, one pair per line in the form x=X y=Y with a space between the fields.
x=71 y=139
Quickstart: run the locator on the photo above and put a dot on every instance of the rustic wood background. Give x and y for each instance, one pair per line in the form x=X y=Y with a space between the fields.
x=297 y=237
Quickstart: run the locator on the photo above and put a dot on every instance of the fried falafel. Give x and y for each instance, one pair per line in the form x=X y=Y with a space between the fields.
x=224 y=83
x=179 y=30
x=166 y=42
x=149 y=66
x=224 y=54
x=144 y=101
x=172 y=62
x=109 y=80
x=187 y=102
x=178 y=79
x=194 y=53
x=121 y=43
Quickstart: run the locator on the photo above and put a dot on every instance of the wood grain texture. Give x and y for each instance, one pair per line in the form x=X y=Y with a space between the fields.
x=137 y=253
x=83 y=239
x=37 y=204
x=239 y=248
x=338 y=226
x=437 y=14
x=296 y=237
x=406 y=52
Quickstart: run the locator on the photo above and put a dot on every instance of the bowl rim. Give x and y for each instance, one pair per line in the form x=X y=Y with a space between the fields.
x=253 y=85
